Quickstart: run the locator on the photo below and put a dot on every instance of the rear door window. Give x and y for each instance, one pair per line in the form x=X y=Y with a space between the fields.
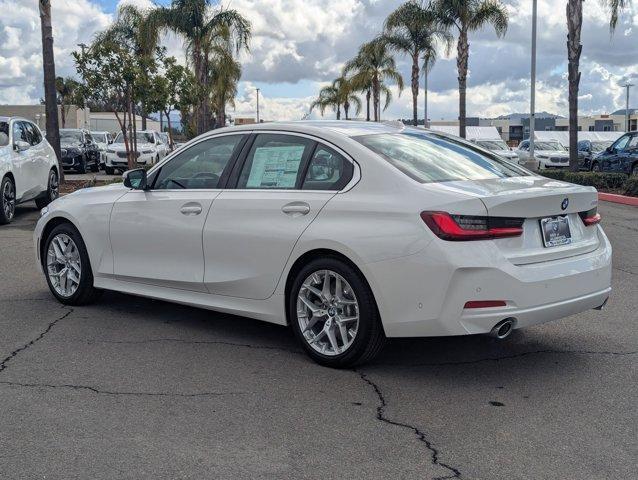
x=328 y=170
x=275 y=161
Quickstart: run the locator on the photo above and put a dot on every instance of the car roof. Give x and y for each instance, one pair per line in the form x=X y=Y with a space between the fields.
x=348 y=128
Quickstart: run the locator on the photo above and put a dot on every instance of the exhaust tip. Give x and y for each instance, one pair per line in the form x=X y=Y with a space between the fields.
x=502 y=329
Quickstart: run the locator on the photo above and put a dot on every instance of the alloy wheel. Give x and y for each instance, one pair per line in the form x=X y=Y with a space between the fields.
x=64 y=266
x=54 y=186
x=327 y=312
x=8 y=200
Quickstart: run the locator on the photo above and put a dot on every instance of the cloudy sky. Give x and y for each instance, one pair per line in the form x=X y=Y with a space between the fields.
x=300 y=45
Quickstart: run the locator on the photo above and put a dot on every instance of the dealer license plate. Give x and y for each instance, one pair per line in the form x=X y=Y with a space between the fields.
x=555 y=231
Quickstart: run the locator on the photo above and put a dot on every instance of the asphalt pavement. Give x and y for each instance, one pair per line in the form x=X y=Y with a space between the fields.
x=143 y=389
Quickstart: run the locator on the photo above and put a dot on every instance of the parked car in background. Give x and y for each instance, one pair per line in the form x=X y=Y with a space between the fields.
x=150 y=148
x=621 y=156
x=588 y=150
x=499 y=147
x=547 y=154
x=102 y=140
x=346 y=231
x=167 y=141
x=28 y=167
x=79 y=151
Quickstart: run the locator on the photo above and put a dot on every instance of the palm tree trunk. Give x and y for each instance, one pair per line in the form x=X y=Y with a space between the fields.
x=63 y=115
x=425 y=95
x=574 y=48
x=463 y=52
x=338 y=112
x=346 y=107
x=368 y=105
x=202 y=117
x=170 y=130
x=143 y=114
x=375 y=96
x=415 y=88
x=51 y=106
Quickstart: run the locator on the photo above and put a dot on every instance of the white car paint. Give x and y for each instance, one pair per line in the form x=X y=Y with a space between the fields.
x=497 y=146
x=29 y=166
x=102 y=140
x=236 y=253
x=555 y=157
x=150 y=147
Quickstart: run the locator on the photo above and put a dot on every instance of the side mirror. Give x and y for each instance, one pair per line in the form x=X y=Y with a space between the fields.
x=135 y=179
x=609 y=149
x=21 y=145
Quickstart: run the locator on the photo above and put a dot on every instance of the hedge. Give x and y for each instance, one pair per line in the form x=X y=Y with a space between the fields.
x=602 y=181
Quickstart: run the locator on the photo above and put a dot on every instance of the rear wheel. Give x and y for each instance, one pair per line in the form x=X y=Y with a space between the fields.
x=67 y=268
x=82 y=166
x=634 y=170
x=109 y=170
x=595 y=167
x=333 y=314
x=7 y=200
x=53 y=190
x=95 y=167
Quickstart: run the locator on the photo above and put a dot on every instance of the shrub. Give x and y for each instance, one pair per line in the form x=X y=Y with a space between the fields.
x=599 y=180
x=631 y=186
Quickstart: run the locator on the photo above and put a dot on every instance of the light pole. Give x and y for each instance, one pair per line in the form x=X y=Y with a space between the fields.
x=532 y=97
x=257 y=105
x=627 y=86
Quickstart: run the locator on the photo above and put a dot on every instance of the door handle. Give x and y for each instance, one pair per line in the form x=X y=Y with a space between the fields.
x=191 y=209
x=296 y=208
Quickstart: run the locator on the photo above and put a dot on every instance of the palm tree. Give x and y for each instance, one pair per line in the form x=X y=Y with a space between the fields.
x=414 y=30
x=615 y=6
x=574 y=48
x=328 y=98
x=48 y=62
x=347 y=95
x=197 y=23
x=468 y=16
x=428 y=63
x=224 y=73
x=66 y=89
x=370 y=69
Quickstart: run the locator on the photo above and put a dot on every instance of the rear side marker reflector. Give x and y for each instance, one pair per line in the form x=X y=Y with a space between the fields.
x=471 y=227
x=485 y=304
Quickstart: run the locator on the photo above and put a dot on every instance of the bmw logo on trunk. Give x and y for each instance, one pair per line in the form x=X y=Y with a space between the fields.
x=565 y=204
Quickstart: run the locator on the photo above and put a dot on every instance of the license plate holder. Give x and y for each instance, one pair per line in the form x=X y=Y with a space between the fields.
x=555 y=231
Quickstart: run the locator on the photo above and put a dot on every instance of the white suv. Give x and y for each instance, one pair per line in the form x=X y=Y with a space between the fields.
x=150 y=148
x=28 y=167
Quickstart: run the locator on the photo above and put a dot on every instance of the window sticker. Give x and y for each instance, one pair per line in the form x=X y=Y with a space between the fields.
x=275 y=167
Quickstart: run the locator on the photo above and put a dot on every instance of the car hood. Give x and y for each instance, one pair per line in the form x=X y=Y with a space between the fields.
x=551 y=153
x=70 y=145
x=120 y=147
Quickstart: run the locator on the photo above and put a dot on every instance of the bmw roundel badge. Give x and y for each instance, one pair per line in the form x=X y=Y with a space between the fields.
x=565 y=204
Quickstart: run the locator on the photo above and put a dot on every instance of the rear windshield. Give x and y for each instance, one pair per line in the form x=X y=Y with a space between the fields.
x=430 y=157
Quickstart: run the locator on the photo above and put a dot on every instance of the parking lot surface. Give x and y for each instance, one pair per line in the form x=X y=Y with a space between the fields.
x=137 y=388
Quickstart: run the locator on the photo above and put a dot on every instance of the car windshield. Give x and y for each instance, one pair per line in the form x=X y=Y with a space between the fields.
x=429 y=158
x=71 y=136
x=493 y=144
x=145 y=137
x=556 y=146
x=4 y=134
x=99 y=137
x=598 y=147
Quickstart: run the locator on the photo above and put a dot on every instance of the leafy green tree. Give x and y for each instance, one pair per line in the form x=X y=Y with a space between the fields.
x=370 y=71
x=414 y=30
x=200 y=25
x=467 y=16
x=67 y=94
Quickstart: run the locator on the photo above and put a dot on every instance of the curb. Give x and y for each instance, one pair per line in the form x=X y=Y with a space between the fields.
x=622 y=199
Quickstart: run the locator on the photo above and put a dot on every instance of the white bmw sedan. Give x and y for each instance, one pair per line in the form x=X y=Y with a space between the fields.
x=348 y=232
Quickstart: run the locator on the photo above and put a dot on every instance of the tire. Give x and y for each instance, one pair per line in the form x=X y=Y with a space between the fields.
x=109 y=170
x=368 y=337
x=53 y=190
x=634 y=170
x=82 y=167
x=7 y=200
x=84 y=292
x=595 y=167
x=95 y=167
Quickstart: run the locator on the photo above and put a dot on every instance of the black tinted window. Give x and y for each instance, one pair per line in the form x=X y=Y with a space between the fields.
x=327 y=170
x=274 y=162
x=428 y=157
x=199 y=167
x=33 y=133
x=20 y=132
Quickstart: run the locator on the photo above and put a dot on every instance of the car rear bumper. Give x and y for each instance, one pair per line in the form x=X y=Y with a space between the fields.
x=425 y=294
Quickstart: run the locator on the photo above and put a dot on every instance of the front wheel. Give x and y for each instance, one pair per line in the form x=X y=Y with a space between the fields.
x=66 y=265
x=634 y=170
x=333 y=314
x=109 y=170
x=595 y=167
x=7 y=200
x=53 y=190
x=82 y=166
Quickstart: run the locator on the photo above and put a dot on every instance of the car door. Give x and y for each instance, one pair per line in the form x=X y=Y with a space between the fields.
x=628 y=155
x=156 y=234
x=610 y=162
x=254 y=225
x=23 y=163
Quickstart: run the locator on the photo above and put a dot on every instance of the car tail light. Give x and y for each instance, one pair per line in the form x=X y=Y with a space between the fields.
x=471 y=227
x=485 y=304
x=590 y=217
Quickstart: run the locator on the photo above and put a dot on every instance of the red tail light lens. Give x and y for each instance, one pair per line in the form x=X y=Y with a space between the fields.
x=590 y=217
x=471 y=227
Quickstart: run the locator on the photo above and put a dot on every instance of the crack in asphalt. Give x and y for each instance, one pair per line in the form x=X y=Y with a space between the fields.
x=12 y=355
x=434 y=452
x=122 y=393
x=626 y=271
x=518 y=355
x=206 y=342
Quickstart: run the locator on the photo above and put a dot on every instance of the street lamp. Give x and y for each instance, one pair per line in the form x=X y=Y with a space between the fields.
x=257 y=105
